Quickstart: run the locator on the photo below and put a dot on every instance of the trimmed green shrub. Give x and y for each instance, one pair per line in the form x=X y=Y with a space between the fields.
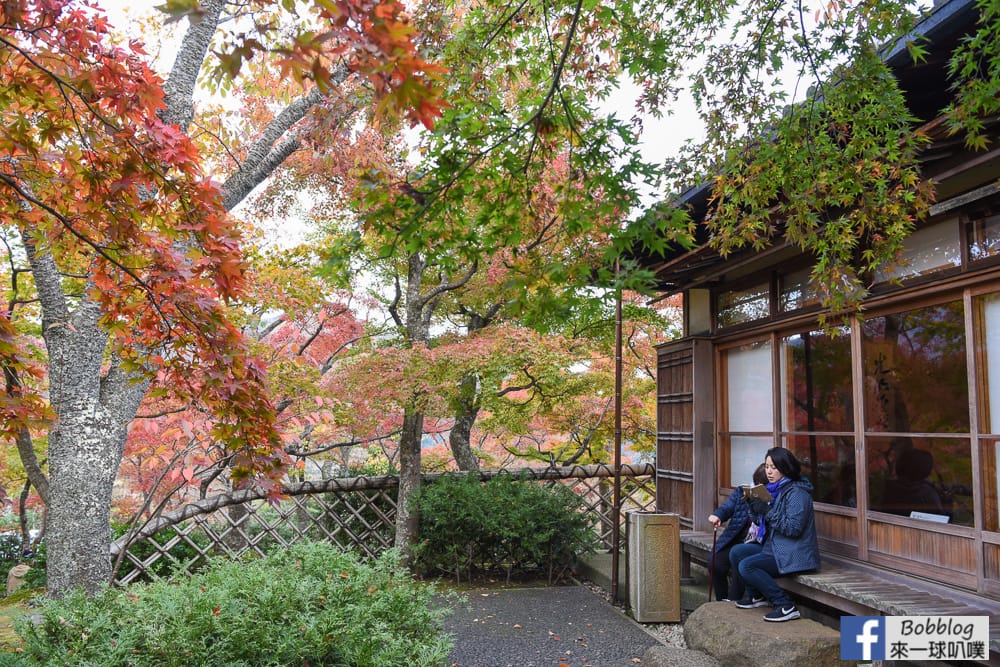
x=500 y=527
x=311 y=604
x=10 y=547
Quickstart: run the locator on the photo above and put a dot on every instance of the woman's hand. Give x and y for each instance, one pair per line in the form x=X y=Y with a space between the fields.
x=714 y=520
x=758 y=506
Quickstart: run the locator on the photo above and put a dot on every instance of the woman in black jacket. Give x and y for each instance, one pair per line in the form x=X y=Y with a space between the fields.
x=737 y=512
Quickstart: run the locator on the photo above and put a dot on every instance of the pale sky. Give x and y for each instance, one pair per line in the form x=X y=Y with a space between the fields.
x=661 y=137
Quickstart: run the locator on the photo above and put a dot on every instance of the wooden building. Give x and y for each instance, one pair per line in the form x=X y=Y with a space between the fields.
x=896 y=414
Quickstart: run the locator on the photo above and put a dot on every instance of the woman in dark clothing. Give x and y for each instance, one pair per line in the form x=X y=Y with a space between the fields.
x=790 y=542
x=737 y=512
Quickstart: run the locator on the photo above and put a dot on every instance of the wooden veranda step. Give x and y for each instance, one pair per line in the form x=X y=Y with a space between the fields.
x=892 y=594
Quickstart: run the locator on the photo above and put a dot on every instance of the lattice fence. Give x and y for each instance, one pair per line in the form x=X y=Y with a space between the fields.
x=355 y=513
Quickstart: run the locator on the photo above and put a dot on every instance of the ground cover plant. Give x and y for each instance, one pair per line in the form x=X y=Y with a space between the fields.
x=311 y=604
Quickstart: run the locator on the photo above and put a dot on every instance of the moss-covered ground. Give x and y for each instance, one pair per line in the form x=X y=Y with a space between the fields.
x=13 y=607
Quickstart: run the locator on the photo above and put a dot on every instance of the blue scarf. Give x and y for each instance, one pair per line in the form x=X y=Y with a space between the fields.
x=775 y=489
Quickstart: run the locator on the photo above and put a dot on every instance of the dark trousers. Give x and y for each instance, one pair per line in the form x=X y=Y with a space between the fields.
x=759 y=571
x=734 y=553
x=720 y=576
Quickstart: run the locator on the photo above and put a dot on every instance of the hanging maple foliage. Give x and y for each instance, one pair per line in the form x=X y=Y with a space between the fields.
x=118 y=200
x=376 y=37
x=132 y=256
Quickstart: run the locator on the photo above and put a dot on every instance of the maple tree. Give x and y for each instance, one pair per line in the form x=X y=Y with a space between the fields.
x=810 y=138
x=121 y=225
x=444 y=381
x=513 y=230
x=431 y=229
x=843 y=163
x=131 y=255
x=511 y=210
x=298 y=328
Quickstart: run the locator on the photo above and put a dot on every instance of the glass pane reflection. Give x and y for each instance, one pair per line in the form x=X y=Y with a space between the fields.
x=924 y=478
x=816 y=391
x=798 y=291
x=739 y=306
x=915 y=371
x=927 y=250
x=984 y=237
x=829 y=463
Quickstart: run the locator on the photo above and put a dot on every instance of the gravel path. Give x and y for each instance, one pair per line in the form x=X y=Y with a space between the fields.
x=552 y=626
x=671 y=634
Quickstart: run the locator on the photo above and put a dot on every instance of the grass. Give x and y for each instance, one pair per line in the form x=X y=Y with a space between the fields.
x=13 y=607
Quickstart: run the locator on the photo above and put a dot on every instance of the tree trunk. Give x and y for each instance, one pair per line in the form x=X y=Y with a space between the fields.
x=85 y=449
x=417 y=327
x=467 y=406
x=416 y=322
x=236 y=537
x=93 y=408
x=466 y=410
x=407 y=515
x=82 y=469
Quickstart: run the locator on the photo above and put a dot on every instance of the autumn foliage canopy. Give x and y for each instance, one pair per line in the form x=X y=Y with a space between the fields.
x=120 y=200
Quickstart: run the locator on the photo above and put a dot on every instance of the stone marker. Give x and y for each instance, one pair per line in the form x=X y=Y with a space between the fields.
x=15 y=578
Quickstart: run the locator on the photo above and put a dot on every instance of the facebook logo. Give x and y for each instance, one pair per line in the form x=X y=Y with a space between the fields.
x=862 y=638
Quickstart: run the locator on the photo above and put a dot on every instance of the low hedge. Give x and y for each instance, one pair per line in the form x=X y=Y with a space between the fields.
x=311 y=604
x=502 y=527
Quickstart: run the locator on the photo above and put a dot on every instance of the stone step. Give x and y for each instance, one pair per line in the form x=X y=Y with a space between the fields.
x=742 y=637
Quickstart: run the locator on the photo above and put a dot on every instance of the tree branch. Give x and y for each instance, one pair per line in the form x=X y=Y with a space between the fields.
x=180 y=84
